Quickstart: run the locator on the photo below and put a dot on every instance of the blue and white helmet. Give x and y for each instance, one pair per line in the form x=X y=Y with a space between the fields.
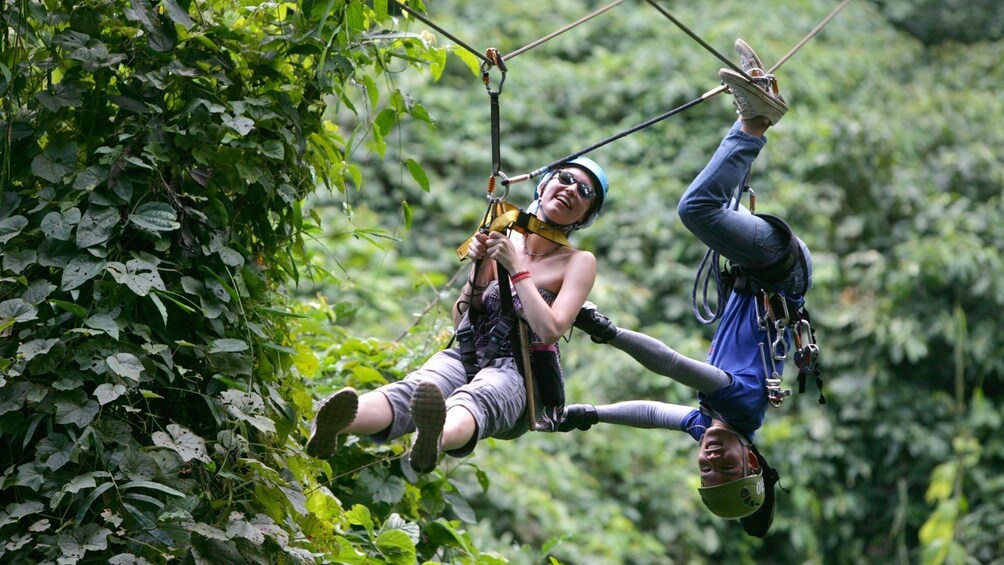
x=599 y=178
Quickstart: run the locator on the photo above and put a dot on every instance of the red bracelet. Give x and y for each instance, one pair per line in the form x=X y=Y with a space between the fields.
x=516 y=277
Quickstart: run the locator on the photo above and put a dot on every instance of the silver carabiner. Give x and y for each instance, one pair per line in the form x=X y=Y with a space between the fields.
x=779 y=347
x=761 y=316
x=505 y=185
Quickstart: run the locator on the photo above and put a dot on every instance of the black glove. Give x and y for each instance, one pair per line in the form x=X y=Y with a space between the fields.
x=578 y=417
x=598 y=326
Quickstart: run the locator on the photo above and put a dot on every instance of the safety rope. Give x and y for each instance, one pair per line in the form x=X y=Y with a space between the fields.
x=612 y=138
x=809 y=36
x=710 y=269
x=558 y=32
x=700 y=41
x=493 y=96
x=432 y=24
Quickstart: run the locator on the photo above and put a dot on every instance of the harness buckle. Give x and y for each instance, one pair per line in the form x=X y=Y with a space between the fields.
x=776 y=394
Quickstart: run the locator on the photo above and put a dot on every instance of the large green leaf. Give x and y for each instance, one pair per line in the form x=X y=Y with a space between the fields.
x=17 y=261
x=76 y=543
x=228 y=345
x=59 y=225
x=108 y=392
x=125 y=365
x=15 y=511
x=97 y=225
x=103 y=322
x=13 y=395
x=63 y=95
x=184 y=442
x=396 y=547
x=155 y=217
x=238 y=527
x=18 y=310
x=11 y=227
x=152 y=486
x=33 y=348
x=76 y=409
x=140 y=276
x=81 y=269
x=84 y=481
x=248 y=407
x=56 y=161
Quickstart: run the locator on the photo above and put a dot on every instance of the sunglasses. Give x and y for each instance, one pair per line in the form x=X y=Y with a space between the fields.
x=585 y=191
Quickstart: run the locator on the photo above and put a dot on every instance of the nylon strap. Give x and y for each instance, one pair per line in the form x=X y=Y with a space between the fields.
x=513 y=217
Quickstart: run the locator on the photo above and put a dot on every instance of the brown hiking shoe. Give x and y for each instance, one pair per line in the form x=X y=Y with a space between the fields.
x=428 y=411
x=335 y=414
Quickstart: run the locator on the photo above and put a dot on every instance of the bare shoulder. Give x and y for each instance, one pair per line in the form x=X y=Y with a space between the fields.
x=582 y=259
x=581 y=265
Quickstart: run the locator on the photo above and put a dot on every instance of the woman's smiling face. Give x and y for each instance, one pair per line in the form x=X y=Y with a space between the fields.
x=568 y=196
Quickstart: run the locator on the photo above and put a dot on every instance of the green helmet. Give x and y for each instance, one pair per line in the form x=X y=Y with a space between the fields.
x=734 y=499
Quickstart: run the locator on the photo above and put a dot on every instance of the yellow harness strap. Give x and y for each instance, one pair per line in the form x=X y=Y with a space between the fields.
x=509 y=216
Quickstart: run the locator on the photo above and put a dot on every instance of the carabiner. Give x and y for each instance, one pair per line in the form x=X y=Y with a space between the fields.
x=761 y=317
x=505 y=185
x=492 y=54
x=779 y=347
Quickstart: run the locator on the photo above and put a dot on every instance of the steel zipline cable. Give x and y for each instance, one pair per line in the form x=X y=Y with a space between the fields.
x=489 y=60
x=558 y=32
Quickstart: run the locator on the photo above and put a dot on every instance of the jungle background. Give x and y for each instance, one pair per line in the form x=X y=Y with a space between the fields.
x=213 y=214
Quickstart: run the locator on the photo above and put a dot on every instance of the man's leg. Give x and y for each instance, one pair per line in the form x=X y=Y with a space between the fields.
x=706 y=209
x=653 y=354
x=647 y=414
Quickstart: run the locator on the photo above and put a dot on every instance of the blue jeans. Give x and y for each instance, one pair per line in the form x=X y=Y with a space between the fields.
x=743 y=238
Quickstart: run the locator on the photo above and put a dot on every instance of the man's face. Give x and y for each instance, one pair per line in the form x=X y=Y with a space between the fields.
x=722 y=457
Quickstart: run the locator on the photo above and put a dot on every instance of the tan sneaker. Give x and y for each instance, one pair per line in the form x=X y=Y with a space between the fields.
x=428 y=411
x=748 y=60
x=335 y=414
x=753 y=100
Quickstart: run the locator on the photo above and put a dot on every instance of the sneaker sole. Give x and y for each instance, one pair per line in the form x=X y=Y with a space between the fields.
x=335 y=414
x=740 y=87
x=428 y=411
x=748 y=59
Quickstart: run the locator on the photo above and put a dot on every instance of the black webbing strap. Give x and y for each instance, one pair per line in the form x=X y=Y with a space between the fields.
x=496 y=151
x=465 y=343
x=493 y=55
x=520 y=342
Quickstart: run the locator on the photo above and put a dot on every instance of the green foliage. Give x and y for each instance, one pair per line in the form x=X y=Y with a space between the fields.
x=154 y=160
x=934 y=22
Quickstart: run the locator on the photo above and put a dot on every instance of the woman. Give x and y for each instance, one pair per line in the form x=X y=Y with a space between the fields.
x=449 y=409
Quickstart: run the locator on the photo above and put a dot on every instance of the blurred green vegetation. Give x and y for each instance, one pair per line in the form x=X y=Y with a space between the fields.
x=888 y=165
